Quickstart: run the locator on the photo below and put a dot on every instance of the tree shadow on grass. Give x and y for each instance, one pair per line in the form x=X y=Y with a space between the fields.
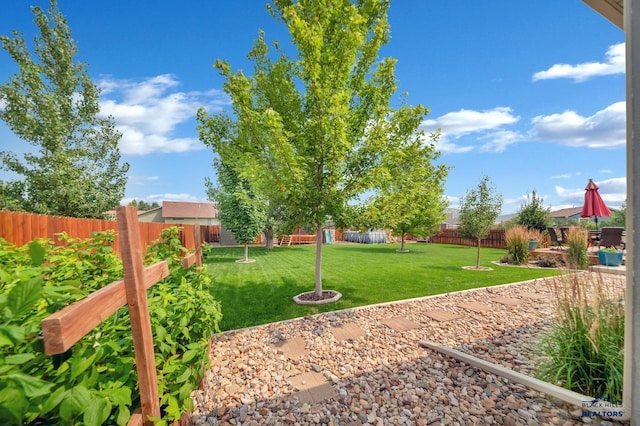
x=257 y=303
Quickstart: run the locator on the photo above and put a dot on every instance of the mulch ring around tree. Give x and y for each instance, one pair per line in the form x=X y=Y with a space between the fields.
x=479 y=268
x=311 y=298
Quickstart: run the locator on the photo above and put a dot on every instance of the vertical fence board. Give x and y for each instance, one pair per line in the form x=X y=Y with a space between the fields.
x=131 y=251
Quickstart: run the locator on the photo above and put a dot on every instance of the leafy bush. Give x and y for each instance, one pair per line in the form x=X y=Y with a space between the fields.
x=577 y=243
x=533 y=214
x=517 y=240
x=92 y=383
x=584 y=350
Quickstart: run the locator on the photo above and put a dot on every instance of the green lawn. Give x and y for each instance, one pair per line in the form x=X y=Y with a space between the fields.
x=262 y=292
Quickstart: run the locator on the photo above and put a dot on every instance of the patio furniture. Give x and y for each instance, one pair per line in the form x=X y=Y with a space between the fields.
x=553 y=235
x=611 y=237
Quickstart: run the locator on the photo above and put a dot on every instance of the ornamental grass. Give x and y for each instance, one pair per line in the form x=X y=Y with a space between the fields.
x=584 y=349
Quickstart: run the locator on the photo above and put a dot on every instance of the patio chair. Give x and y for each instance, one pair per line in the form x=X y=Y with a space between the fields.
x=553 y=235
x=611 y=237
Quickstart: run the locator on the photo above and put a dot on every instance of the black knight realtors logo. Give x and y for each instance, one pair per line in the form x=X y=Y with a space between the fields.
x=602 y=407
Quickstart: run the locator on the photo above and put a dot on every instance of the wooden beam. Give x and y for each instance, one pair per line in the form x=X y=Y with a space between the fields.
x=131 y=252
x=64 y=328
x=563 y=394
x=188 y=261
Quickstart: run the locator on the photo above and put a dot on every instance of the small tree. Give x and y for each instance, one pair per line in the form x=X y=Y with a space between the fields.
x=411 y=200
x=479 y=210
x=241 y=211
x=52 y=104
x=533 y=214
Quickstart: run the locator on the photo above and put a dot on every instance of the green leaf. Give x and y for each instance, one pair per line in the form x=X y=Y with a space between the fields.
x=189 y=355
x=23 y=297
x=54 y=399
x=184 y=376
x=13 y=405
x=37 y=253
x=97 y=412
x=18 y=358
x=74 y=403
x=80 y=364
x=123 y=416
x=11 y=335
x=121 y=396
x=32 y=386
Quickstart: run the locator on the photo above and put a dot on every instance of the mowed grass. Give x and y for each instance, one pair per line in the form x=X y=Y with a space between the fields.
x=365 y=274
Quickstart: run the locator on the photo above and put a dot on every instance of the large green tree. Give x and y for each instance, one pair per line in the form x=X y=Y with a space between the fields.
x=52 y=104
x=411 y=199
x=479 y=209
x=533 y=214
x=241 y=211
x=314 y=131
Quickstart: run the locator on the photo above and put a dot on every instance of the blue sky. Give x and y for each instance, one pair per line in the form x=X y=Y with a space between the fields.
x=529 y=93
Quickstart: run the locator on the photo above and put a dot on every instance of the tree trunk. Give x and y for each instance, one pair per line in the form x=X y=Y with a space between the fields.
x=478 y=256
x=402 y=242
x=246 y=252
x=268 y=237
x=319 y=260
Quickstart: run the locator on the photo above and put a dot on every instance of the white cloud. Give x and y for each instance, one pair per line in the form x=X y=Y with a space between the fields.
x=487 y=125
x=614 y=64
x=148 y=112
x=563 y=176
x=613 y=191
x=142 y=180
x=604 y=129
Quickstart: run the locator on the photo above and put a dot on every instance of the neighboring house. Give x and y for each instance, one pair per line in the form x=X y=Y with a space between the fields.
x=563 y=216
x=182 y=213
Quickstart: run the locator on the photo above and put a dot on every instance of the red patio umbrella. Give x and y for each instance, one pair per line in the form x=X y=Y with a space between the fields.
x=593 y=204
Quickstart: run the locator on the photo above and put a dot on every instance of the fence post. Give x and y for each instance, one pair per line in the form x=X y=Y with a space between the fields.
x=131 y=253
x=197 y=240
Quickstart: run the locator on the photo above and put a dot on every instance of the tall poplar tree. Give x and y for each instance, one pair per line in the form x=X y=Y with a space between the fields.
x=241 y=211
x=52 y=104
x=314 y=132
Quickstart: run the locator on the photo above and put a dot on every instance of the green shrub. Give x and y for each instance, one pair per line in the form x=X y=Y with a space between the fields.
x=517 y=240
x=584 y=350
x=577 y=243
x=92 y=383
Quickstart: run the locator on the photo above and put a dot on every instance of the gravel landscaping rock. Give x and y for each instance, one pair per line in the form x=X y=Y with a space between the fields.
x=385 y=377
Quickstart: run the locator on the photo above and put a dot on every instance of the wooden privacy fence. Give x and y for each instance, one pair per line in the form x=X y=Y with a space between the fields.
x=20 y=228
x=65 y=327
x=495 y=239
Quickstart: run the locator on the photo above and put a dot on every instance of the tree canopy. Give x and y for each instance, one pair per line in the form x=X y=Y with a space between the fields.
x=314 y=132
x=52 y=104
x=143 y=205
x=241 y=211
x=479 y=209
x=533 y=214
x=411 y=200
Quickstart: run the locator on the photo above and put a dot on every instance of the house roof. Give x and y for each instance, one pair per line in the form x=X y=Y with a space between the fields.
x=611 y=9
x=189 y=210
x=565 y=213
